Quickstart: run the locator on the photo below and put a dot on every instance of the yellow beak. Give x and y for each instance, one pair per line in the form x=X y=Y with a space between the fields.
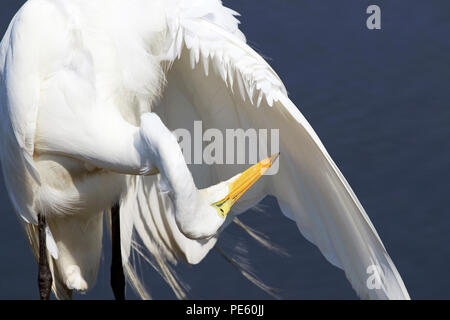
x=239 y=186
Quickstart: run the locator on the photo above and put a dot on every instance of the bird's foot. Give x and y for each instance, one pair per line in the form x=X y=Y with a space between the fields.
x=74 y=279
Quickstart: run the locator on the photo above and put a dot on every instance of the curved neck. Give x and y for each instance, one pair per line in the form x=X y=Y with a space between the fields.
x=175 y=174
x=164 y=152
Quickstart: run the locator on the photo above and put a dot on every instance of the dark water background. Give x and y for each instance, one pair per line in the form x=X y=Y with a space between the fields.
x=378 y=99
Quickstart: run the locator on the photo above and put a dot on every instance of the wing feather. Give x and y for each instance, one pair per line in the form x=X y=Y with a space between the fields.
x=245 y=92
x=215 y=77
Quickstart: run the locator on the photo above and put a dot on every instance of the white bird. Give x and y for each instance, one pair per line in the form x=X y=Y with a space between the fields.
x=90 y=93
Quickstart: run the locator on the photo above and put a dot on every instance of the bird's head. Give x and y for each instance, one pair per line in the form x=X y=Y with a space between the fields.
x=214 y=203
x=199 y=214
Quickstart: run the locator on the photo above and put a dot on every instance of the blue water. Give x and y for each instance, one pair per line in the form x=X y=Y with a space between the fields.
x=379 y=100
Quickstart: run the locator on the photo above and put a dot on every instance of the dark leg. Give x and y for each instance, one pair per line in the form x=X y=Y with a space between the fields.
x=117 y=277
x=44 y=274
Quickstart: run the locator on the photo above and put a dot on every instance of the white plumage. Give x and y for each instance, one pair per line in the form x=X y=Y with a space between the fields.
x=79 y=79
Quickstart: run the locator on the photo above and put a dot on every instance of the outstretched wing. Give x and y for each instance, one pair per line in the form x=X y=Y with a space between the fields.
x=214 y=77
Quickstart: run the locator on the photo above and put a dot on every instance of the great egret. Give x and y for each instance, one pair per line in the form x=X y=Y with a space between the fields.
x=89 y=90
